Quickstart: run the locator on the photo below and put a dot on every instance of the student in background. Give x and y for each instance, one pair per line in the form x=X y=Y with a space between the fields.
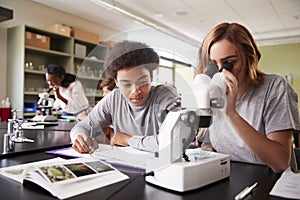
x=69 y=93
x=107 y=85
x=261 y=110
x=133 y=107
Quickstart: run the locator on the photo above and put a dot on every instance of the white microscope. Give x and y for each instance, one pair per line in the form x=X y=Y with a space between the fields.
x=174 y=167
x=45 y=104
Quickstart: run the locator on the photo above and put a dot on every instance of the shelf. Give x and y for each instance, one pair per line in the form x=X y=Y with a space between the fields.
x=32 y=71
x=89 y=78
x=81 y=58
x=29 y=114
x=61 y=51
x=31 y=93
x=94 y=95
x=47 y=52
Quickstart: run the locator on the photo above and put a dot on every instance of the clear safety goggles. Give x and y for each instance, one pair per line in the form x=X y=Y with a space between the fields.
x=133 y=85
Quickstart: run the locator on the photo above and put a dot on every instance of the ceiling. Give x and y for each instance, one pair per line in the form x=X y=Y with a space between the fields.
x=270 y=21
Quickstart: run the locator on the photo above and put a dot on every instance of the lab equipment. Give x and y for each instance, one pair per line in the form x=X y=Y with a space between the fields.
x=45 y=104
x=173 y=168
x=14 y=133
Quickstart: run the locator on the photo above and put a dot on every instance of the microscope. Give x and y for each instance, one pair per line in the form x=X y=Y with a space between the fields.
x=176 y=167
x=45 y=104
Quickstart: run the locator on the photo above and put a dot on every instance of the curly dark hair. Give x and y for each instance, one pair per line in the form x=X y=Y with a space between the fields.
x=127 y=54
x=58 y=70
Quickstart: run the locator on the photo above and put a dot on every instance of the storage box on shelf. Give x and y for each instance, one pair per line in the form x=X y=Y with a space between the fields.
x=84 y=35
x=37 y=40
x=59 y=29
x=80 y=50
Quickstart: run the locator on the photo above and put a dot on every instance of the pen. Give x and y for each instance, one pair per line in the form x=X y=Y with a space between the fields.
x=245 y=192
x=91 y=140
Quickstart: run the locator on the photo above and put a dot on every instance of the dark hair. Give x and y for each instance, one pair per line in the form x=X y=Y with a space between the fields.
x=58 y=70
x=127 y=54
x=109 y=82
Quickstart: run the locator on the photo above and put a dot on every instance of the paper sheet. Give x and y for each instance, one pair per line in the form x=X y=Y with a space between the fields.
x=123 y=155
x=116 y=155
x=32 y=125
x=288 y=186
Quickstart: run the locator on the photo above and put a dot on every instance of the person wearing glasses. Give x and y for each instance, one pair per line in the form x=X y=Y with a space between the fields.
x=134 y=107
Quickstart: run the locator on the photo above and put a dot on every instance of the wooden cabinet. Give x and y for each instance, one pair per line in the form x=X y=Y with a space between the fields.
x=26 y=64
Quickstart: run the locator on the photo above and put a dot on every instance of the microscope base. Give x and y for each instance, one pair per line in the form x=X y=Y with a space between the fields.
x=183 y=176
x=41 y=118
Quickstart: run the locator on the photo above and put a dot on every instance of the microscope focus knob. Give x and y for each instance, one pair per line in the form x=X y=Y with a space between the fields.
x=189 y=118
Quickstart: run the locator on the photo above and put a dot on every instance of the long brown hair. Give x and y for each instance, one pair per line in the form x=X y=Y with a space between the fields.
x=242 y=39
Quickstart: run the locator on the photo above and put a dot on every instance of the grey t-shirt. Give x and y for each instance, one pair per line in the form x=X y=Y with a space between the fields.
x=269 y=107
x=141 y=122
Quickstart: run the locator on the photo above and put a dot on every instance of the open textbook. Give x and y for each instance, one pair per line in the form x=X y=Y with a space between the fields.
x=66 y=178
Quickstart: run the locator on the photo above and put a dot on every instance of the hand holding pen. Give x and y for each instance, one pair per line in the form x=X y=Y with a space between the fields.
x=91 y=141
x=84 y=144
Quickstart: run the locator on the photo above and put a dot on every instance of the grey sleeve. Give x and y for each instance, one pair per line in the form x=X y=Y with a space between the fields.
x=282 y=108
x=147 y=143
x=96 y=119
x=164 y=97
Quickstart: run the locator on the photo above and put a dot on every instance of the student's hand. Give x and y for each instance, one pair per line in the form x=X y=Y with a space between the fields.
x=83 y=144
x=58 y=95
x=120 y=139
x=56 y=91
x=231 y=91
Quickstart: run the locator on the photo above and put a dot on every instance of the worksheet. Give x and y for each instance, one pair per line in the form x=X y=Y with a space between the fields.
x=288 y=186
x=127 y=156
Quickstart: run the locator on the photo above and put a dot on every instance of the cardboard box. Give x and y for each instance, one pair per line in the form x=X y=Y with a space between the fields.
x=37 y=40
x=61 y=29
x=80 y=50
x=108 y=43
x=84 y=35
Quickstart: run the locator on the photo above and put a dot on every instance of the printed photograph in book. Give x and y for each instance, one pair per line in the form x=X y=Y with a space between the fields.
x=58 y=173
x=15 y=171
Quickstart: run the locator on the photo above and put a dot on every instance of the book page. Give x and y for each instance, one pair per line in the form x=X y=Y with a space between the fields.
x=78 y=169
x=88 y=174
x=18 y=172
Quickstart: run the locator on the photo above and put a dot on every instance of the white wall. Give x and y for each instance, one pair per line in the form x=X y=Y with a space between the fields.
x=39 y=16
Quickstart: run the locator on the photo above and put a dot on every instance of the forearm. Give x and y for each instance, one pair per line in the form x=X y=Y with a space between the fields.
x=147 y=143
x=82 y=127
x=274 y=151
x=62 y=98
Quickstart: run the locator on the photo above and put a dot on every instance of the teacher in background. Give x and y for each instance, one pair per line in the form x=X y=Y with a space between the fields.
x=68 y=91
